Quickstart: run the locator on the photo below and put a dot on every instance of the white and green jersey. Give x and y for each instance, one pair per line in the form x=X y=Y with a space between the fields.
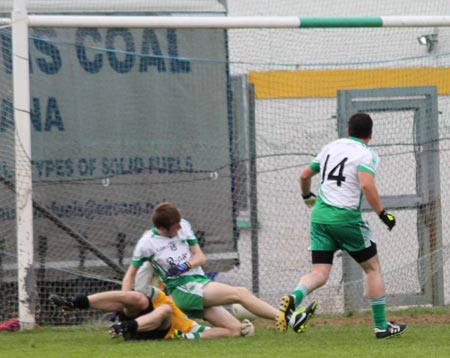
x=163 y=252
x=340 y=195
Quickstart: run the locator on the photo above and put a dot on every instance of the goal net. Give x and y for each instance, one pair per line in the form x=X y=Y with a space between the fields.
x=304 y=82
x=220 y=122
x=120 y=122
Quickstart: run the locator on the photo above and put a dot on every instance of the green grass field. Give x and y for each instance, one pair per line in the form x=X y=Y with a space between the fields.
x=326 y=339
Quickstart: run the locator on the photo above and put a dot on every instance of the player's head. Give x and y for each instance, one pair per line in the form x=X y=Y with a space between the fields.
x=166 y=218
x=360 y=126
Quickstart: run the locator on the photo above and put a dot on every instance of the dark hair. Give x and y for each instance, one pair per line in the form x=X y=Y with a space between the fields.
x=166 y=215
x=360 y=125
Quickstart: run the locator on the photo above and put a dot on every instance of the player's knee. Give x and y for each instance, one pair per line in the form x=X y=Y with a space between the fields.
x=243 y=293
x=166 y=310
x=141 y=300
x=164 y=315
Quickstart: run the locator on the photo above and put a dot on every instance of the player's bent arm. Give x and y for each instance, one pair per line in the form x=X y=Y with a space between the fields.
x=198 y=257
x=128 y=279
x=305 y=180
x=370 y=191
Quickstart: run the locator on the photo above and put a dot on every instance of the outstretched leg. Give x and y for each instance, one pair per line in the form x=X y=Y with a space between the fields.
x=111 y=301
x=216 y=293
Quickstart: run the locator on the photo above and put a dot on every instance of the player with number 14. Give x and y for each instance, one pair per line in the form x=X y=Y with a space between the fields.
x=347 y=168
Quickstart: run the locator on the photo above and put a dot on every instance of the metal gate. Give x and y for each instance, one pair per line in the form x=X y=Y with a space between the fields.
x=421 y=102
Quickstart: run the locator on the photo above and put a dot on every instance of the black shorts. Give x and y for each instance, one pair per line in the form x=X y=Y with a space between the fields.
x=155 y=334
x=326 y=257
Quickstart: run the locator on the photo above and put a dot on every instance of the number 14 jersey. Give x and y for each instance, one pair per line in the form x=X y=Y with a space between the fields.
x=340 y=195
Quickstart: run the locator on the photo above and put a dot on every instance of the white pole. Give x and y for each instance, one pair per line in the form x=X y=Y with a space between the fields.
x=415 y=21
x=234 y=22
x=162 y=21
x=24 y=205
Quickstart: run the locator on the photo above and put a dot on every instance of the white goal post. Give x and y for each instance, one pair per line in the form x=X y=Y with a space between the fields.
x=20 y=22
x=236 y=22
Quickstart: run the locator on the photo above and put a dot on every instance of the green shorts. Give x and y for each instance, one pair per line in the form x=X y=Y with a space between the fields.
x=189 y=296
x=351 y=237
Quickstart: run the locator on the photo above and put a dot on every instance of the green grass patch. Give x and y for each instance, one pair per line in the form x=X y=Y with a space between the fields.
x=324 y=340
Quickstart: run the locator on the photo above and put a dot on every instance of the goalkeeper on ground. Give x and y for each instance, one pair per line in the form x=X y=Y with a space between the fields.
x=173 y=250
x=153 y=316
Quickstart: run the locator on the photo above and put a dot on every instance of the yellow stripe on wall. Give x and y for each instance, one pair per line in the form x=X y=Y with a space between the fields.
x=325 y=83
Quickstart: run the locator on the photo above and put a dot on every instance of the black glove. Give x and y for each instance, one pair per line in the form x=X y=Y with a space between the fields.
x=309 y=199
x=179 y=269
x=387 y=219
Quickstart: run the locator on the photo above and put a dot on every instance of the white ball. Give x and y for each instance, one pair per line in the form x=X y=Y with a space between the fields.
x=241 y=313
x=247 y=328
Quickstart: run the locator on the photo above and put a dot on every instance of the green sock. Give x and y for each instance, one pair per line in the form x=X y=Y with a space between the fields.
x=300 y=292
x=379 y=312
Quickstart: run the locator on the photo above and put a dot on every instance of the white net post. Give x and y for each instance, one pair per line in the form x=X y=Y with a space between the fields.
x=23 y=186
